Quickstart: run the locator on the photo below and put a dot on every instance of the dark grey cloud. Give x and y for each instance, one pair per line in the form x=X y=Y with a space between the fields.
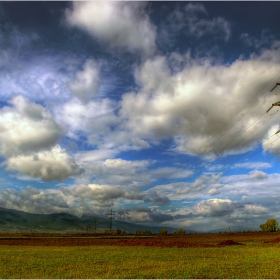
x=217 y=207
x=154 y=199
x=144 y=214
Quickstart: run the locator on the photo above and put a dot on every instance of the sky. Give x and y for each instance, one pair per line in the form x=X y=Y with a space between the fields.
x=156 y=110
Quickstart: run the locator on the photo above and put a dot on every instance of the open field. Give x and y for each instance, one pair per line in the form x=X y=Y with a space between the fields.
x=186 y=256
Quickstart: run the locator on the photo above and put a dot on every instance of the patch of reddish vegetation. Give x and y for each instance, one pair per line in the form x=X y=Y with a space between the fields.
x=56 y=241
x=229 y=243
x=276 y=240
x=153 y=243
x=157 y=243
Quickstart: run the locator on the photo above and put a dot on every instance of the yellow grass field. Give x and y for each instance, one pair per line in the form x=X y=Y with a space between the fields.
x=201 y=257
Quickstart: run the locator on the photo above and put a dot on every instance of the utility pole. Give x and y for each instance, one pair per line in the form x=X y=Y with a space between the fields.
x=276 y=103
x=111 y=213
x=88 y=228
x=277 y=84
x=95 y=224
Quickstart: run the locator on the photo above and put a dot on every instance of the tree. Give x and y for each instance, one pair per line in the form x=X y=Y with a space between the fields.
x=181 y=231
x=270 y=226
x=163 y=231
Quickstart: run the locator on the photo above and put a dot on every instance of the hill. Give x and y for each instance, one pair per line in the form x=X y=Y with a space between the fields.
x=13 y=220
x=232 y=229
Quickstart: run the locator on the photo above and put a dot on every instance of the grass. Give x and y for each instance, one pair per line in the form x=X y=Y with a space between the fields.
x=112 y=262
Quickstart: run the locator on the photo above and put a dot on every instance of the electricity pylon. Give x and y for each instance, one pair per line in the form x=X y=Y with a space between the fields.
x=95 y=225
x=111 y=213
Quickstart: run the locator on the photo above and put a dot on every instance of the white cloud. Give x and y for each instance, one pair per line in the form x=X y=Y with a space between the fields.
x=265 y=38
x=33 y=200
x=174 y=105
x=93 y=156
x=51 y=165
x=104 y=195
x=87 y=82
x=42 y=77
x=186 y=191
x=93 y=120
x=199 y=25
x=116 y=24
x=258 y=175
x=256 y=187
x=124 y=165
x=171 y=172
x=188 y=105
x=115 y=172
x=255 y=209
x=192 y=20
x=252 y=165
x=144 y=215
x=271 y=143
x=215 y=207
x=99 y=123
x=214 y=191
x=26 y=128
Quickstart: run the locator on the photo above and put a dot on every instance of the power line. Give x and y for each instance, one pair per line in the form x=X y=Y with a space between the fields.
x=232 y=170
x=232 y=148
x=235 y=124
x=254 y=105
x=219 y=153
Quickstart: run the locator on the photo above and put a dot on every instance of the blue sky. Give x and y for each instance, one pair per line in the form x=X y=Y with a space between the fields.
x=154 y=109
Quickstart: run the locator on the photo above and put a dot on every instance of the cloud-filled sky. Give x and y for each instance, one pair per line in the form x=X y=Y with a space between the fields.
x=154 y=109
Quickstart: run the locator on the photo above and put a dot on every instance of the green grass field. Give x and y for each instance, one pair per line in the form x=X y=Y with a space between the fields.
x=251 y=261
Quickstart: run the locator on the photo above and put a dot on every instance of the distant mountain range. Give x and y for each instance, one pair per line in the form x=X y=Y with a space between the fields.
x=19 y=221
x=232 y=229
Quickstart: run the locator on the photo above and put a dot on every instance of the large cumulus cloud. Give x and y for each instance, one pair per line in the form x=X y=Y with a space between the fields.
x=199 y=103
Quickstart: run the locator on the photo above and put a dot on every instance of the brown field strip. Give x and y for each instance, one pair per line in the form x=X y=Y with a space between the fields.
x=181 y=241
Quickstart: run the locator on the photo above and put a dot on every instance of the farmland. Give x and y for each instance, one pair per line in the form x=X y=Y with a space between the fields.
x=130 y=256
